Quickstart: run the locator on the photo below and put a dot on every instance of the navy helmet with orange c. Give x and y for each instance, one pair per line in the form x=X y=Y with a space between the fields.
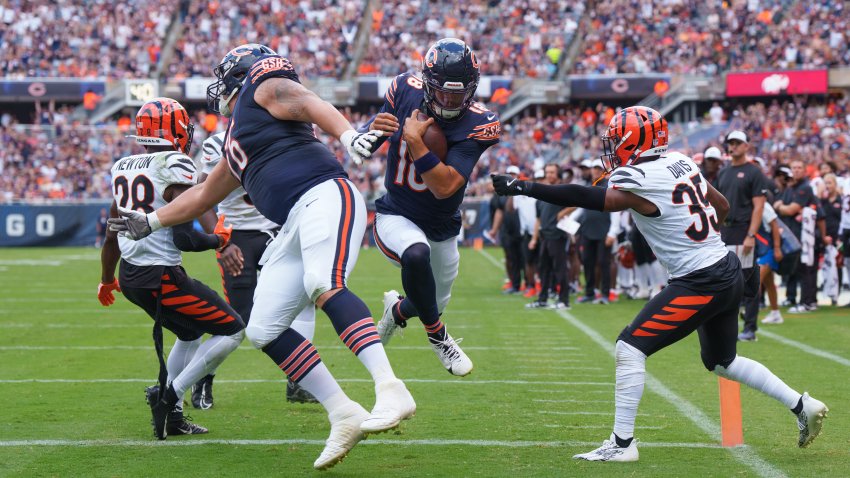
x=164 y=122
x=231 y=73
x=635 y=134
x=450 y=73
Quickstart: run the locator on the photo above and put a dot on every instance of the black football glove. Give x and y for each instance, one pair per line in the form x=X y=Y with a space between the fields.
x=508 y=185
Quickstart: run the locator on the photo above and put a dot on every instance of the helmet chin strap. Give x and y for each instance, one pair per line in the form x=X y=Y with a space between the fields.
x=445 y=113
x=224 y=103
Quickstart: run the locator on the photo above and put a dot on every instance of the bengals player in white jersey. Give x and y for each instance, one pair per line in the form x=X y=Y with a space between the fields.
x=679 y=213
x=151 y=275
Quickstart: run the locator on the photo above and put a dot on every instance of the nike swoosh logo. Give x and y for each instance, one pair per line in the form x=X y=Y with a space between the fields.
x=187 y=177
x=311 y=202
x=491 y=117
x=511 y=181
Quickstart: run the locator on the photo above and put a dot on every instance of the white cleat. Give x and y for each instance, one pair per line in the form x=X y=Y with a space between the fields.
x=393 y=403
x=609 y=451
x=452 y=357
x=773 y=317
x=810 y=420
x=345 y=433
x=387 y=326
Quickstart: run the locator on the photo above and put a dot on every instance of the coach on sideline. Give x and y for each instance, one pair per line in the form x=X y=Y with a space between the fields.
x=744 y=186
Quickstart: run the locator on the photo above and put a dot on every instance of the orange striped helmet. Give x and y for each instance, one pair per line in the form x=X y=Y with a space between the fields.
x=635 y=134
x=164 y=122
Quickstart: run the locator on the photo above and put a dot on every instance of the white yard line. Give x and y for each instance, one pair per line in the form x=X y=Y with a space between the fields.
x=320 y=347
x=371 y=441
x=345 y=380
x=805 y=348
x=569 y=400
x=746 y=456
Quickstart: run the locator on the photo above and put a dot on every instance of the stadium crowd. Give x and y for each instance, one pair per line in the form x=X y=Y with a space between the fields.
x=316 y=35
x=79 y=38
x=706 y=38
x=519 y=39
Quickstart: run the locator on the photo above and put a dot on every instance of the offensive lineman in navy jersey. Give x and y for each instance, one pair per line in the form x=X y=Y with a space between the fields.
x=418 y=219
x=294 y=180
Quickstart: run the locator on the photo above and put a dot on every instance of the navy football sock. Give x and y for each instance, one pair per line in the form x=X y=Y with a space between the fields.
x=418 y=281
x=294 y=354
x=352 y=321
x=404 y=310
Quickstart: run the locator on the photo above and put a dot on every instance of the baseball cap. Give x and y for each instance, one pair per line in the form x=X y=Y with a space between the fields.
x=539 y=174
x=596 y=163
x=513 y=170
x=712 y=153
x=586 y=164
x=785 y=171
x=737 y=134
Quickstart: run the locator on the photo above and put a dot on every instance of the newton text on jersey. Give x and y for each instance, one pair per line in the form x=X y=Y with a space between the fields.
x=131 y=162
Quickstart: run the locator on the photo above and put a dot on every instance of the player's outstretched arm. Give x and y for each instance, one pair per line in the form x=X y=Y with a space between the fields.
x=588 y=197
x=187 y=206
x=289 y=100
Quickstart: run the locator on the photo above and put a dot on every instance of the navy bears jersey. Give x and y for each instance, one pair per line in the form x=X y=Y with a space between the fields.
x=467 y=138
x=276 y=161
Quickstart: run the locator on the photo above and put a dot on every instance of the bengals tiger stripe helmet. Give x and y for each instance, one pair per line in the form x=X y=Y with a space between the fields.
x=164 y=122
x=635 y=134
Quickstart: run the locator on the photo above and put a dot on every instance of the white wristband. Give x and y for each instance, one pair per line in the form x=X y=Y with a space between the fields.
x=153 y=222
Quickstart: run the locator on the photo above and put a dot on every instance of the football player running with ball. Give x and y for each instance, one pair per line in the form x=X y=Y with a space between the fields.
x=294 y=180
x=418 y=220
x=680 y=214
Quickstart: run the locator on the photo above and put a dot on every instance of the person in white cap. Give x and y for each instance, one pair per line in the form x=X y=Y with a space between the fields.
x=712 y=161
x=744 y=186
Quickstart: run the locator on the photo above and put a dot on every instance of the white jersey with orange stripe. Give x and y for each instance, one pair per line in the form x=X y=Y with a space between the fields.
x=237 y=208
x=684 y=234
x=139 y=182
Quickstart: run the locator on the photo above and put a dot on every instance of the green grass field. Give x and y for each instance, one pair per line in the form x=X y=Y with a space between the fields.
x=73 y=375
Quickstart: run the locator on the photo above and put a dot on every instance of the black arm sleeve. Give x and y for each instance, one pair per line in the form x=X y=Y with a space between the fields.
x=568 y=195
x=186 y=238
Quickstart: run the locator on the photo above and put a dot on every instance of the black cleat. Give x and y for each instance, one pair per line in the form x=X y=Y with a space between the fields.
x=160 y=412
x=296 y=394
x=179 y=424
x=202 y=397
x=152 y=394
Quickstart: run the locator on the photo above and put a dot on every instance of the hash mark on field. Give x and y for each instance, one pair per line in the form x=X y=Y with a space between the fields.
x=570 y=400
x=607 y=414
x=596 y=427
x=569 y=391
x=403 y=442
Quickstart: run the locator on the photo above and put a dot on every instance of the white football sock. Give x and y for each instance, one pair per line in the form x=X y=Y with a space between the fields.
x=751 y=373
x=207 y=358
x=642 y=276
x=178 y=358
x=305 y=322
x=624 y=277
x=374 y=357
x=630 y=377
x=321 y=384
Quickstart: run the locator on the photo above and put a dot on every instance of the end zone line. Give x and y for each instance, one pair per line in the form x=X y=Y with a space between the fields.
x=749 y=457
x=427 y=442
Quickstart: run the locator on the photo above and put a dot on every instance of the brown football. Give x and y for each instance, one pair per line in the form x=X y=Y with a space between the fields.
x=434 y=138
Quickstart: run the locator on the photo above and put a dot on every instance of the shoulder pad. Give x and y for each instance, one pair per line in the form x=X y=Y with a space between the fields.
x=272 y=67
x=486 y=125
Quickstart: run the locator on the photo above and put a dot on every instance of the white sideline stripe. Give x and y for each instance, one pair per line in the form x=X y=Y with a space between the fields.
x=569 y=391
x=244 y=347
x=296 y=441
x=349 y=380
x=570 y=400
x=805 y=348
x=555 y=412
x=599 y=427
x=745 y=455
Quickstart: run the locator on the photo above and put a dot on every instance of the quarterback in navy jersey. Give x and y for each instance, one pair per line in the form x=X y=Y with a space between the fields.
x=270 y=149
x=418 y=220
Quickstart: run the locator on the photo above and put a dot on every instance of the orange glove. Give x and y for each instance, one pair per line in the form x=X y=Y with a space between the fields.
x=222 y=232
x=104 y=292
